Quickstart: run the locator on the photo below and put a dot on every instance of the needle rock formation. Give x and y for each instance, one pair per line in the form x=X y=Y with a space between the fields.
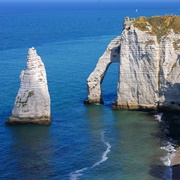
x=32 y=104
x=148 y=52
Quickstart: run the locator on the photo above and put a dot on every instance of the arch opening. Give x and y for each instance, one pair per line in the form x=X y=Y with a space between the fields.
x=109 y=84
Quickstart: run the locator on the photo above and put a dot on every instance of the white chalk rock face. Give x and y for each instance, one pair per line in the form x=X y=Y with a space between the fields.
x=32 y=104
x=169 y=90
x=138 y=70
x=148 y=53
x=149 y=71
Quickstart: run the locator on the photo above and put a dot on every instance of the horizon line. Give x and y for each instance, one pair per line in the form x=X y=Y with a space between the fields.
x=88 y=1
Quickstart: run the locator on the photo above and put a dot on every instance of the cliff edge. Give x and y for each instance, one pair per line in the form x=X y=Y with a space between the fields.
x=32 y=103
x=149 y=65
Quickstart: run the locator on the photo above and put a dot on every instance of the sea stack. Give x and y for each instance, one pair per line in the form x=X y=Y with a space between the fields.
x=148 y=52
x=32 y=103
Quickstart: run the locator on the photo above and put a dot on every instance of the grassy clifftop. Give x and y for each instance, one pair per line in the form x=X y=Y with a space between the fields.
x=160 y=24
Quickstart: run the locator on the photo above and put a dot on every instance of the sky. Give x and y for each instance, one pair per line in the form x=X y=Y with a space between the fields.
x=98 y=1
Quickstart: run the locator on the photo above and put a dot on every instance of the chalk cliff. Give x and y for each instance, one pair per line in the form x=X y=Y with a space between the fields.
x=32 y=104
x=149 y=64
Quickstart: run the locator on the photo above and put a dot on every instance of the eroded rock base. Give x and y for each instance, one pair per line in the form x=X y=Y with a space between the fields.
x=38 y=120
x=94 y=101
x=133 y=107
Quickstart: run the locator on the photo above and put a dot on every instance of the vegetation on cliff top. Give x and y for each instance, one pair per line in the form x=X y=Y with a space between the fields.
x=160 y=24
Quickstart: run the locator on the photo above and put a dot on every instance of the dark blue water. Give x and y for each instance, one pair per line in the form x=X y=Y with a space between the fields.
x=83 y=142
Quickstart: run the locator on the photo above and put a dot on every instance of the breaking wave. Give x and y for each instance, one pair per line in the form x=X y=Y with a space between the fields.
x=170 y=153
x=158 y=117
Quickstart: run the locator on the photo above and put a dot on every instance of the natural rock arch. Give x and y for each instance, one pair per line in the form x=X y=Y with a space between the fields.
x=149 y=67
x=111 y=55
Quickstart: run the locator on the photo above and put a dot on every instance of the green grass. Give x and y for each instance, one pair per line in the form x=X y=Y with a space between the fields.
x=161 y=25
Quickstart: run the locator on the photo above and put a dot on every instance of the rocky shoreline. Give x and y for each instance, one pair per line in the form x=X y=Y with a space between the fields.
x=175 y=160
x=175 y=164
x=171 y=128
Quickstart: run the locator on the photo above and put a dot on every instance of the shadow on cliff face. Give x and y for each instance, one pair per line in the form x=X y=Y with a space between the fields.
x=172 y=97
x=171 y=113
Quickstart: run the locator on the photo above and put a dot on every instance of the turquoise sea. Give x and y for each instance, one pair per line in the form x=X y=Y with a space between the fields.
x=83 y=142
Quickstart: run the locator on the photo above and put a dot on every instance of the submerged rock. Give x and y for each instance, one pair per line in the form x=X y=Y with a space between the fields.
x=149 y=65
x=32 y=103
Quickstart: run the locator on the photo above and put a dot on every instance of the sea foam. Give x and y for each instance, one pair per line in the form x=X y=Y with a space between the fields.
x=104 y=156
x=75 y=174
x=167 y=160
x=169 y=148
x=158 y=117
x=170 y=153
